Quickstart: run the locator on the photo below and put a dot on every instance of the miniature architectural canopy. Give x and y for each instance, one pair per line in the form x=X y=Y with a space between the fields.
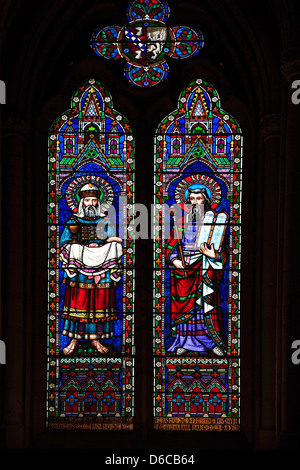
x=91 y=265
x=196 y=310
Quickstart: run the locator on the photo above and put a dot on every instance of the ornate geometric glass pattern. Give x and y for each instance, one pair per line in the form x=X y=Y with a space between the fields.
x=198 y=162
x=91 y=265
x=146 y=42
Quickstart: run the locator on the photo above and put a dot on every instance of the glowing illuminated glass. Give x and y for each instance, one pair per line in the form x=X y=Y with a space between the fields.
x=91 y=265
x=196 y=310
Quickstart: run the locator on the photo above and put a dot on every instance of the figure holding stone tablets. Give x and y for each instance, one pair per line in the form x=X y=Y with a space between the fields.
x=197 y=255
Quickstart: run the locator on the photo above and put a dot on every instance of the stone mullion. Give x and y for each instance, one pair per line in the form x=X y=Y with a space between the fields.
x=14 y=242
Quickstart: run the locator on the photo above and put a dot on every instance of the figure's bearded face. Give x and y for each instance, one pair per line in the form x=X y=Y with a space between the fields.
x=196 y=198
x=89 y=206
x=197 y=202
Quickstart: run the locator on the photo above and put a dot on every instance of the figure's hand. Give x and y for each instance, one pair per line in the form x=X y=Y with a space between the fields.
x=114 y=239
x=178 y=264
x=208 y=250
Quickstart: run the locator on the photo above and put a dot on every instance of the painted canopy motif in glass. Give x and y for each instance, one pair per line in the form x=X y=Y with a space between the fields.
x=198 y=163
x=147 y=42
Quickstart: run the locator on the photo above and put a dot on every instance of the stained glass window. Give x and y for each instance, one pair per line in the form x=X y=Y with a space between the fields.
x=197 y=265
x=91 y=265
x=146 y=42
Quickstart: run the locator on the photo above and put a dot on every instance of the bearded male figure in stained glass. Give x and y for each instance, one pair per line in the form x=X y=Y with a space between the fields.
x=196 y=273
x=91 y=263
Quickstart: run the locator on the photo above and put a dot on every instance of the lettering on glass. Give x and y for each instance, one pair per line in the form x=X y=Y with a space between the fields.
x=197 y=264
x=91 y=265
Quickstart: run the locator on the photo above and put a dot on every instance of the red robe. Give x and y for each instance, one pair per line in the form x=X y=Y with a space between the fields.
x=185 y=291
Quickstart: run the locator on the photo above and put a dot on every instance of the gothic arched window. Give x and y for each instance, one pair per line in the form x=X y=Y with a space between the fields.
x=91 y=266
x=197 y=265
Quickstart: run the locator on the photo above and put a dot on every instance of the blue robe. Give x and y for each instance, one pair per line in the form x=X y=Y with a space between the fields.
x=74 y=327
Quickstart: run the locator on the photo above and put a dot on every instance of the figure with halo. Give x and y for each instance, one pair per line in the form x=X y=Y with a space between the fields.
x=91 y=255
x=196 y=253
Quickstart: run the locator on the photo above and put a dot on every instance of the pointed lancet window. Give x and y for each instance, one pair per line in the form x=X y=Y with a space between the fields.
x=91 y=266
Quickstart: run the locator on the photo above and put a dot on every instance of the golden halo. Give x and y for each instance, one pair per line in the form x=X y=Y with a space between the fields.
x=198 y=181
x=105 y=189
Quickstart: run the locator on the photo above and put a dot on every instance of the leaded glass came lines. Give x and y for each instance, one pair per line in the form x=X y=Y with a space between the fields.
x=196 y=309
